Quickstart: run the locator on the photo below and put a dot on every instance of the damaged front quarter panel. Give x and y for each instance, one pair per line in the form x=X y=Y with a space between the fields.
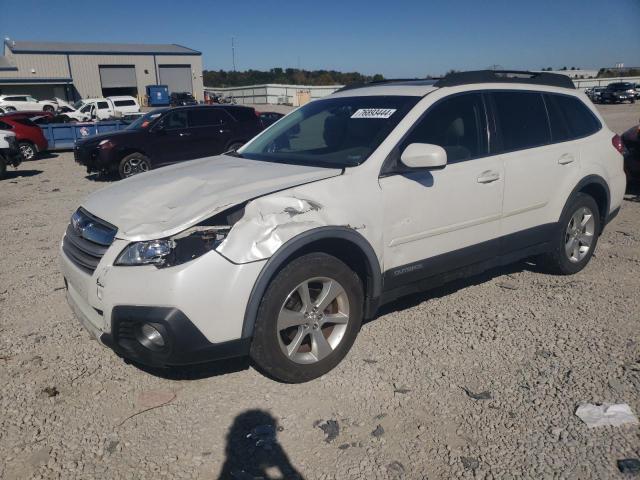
x=270 y=221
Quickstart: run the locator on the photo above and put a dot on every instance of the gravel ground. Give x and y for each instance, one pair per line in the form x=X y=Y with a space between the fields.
x=533 y=345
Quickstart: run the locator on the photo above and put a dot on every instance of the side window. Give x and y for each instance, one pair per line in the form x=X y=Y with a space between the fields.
x=522 y=120
x=175 y=120
x=103 y=106
x=205 y=116
x=457 y=124
x=559 y=127
x=86 y=108
x=31 y=99
x=124 y=103
x=16 y=99
x=581 y=120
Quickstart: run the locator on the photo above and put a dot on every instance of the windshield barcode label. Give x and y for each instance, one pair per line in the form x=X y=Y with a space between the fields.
x=374 y=113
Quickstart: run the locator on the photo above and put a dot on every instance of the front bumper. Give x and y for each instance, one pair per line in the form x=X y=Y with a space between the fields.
x=199 y=306
x=93 y=158
x=12 y=155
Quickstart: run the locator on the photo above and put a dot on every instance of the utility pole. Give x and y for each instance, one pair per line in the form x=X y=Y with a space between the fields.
x=233 y=52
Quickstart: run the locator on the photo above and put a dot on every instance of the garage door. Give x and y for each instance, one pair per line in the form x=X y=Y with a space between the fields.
x=118 y=76
x=176 y=77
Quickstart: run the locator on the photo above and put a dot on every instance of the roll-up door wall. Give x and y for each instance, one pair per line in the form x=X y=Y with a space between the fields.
x=118 y=80
x=176 y=77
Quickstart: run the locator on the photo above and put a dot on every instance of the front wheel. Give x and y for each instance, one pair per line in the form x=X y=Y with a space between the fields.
x=27 y=150
x=133 y=164
x=48 y=108
x=10 y=109
x=308 y=319
x=576 y=240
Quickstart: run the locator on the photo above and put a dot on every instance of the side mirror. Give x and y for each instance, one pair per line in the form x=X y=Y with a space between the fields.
x=424 y=155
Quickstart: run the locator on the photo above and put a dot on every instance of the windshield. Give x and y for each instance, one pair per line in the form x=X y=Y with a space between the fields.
x=78 y=105
x=145 y=120
x=335 y=132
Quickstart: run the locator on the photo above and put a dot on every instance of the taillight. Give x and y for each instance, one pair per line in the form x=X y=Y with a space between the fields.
x=616 y=141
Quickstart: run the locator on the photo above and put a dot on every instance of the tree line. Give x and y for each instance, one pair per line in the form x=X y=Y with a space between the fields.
x=222 y=78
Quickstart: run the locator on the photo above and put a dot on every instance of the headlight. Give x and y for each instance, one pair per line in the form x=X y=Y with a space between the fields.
x=181 y=248
x=105 y=144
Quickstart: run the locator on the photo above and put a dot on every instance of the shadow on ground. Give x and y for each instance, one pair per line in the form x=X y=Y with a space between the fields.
x=252 y=450
x=12 y=174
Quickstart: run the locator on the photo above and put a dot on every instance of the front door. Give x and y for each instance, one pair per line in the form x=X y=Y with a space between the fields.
x=171 y=139
x=441 y=220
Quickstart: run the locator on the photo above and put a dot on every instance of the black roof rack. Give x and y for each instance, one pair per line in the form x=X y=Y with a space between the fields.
x=505 y=76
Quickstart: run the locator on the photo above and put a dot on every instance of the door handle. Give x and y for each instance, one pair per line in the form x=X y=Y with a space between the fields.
x=488 y=176
x=184 y=134
x=565 y=159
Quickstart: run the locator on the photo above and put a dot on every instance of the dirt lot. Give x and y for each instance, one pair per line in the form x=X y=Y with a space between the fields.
x=395 y=408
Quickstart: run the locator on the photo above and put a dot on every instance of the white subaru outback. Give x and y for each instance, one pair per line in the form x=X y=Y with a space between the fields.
x=281 y=249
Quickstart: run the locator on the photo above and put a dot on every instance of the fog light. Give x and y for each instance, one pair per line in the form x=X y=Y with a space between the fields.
x=150 y=337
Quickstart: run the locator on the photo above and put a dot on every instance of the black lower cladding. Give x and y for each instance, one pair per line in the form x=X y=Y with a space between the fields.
x=465 y=262
x=184 y=343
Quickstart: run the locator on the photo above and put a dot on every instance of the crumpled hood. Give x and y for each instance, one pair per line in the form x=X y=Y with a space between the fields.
x=166 y=201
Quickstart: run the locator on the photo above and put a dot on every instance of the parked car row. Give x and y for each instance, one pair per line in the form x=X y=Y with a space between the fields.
x=617 y=92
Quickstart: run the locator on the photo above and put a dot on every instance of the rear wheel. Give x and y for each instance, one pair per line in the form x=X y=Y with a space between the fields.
x=27 y=150
x=576 y=240
x=48 y=108
x=308 y=319
x=10 y=109
x=133 y=164
x=3 y=167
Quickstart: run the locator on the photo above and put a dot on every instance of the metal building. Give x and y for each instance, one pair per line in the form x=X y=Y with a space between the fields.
x=81 y=70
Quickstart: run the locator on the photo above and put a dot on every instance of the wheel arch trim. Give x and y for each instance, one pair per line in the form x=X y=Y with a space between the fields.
x=590 y=180
x=279 y=258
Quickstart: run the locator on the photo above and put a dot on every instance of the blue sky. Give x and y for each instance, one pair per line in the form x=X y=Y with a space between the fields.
x=397 y=39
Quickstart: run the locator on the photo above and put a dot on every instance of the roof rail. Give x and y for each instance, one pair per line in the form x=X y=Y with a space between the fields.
x=386 y=81
x=505 y=76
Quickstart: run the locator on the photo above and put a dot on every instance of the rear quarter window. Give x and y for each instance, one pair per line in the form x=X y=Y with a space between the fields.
x=582 y=122
x=124 y=103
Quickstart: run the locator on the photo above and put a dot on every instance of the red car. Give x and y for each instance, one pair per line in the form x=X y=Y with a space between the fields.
x=31 y=140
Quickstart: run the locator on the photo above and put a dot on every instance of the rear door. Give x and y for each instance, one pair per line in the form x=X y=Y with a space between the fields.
x=539 y=163
x=103 y=109
x=210 y=130
x=171 y=141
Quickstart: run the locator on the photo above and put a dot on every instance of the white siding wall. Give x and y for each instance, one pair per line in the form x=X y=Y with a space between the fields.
x=273 y=94
x=45 y=66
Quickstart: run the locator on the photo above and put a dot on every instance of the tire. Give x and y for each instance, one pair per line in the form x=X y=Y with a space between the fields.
x=27 y=150
x=133 y=164
x=234 y=146
x=316 y=345
x=569 y=258
x=3 y=168
x=10 y=109
x=48 y=108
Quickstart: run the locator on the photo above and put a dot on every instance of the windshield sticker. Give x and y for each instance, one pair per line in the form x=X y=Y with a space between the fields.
x=374 y=113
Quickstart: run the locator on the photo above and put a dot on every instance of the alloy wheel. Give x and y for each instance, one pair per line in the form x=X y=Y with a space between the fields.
x=579 y=234
x=134 y=166
x=313 y=320
x=27 y=151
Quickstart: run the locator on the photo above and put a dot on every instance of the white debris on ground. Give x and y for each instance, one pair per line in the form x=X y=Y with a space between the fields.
x=480 y=379
x=606 y=414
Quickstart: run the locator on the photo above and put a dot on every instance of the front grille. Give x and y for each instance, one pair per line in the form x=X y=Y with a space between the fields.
x=87 y=239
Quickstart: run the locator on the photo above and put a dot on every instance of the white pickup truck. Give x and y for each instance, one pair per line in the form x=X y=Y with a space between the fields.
x=97 y=108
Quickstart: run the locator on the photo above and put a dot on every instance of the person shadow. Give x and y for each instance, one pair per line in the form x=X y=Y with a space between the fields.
x=252 y=450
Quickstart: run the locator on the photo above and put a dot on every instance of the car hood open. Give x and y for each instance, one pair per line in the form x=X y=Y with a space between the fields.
x=166 y=201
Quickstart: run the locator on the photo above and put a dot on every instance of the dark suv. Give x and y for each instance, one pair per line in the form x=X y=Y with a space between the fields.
x=169 y=135
x=180 y=99
x=619 y=92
